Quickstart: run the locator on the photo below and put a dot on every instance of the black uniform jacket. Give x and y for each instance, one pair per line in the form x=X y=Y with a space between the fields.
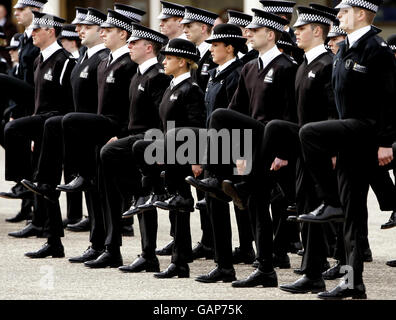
x=221 y=88
x=84 y=81
x=201 y=75
x=52 y=83
x=145 y=94
x=27 y=55
x=364 y=82
x=113 y=86
x=183 y=104
x=314 y=92
x=267 y=94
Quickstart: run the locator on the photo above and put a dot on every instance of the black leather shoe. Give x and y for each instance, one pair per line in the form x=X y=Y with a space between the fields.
x=149 y=204
x=127 y=231
x=246 y=257
x=142 y=264
x=391 y=222
x=391 y=263
x=217 y=274
x=325 y=266
x=82 y=225
x=167 y=250
x=174 y=270
x=17 y=192
x=292 y=218
x=367 y=255
x=333 y=272
x=255 y=264
x=342 y=291
x=323 y=213
x=300 y=252
x=106 y=259
x=281 y=262
x=202 y=251
x=78 y=184
x=176 y=202
x=230 y=190
x=211 y=185
x=133 y=210
x=294 y=247
x=29 y=231
x=41 y=189
x=257 y=278
x=201 y=205
x=20 y=216
x=88 y=255
x=47 y=250
x=292 y=209
x=305 y=285
x=67 y=221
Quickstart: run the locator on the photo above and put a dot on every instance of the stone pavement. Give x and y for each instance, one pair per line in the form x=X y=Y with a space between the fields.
x=22 y=278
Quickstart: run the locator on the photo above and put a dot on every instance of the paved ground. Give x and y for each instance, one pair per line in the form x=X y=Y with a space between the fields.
x=23 y=278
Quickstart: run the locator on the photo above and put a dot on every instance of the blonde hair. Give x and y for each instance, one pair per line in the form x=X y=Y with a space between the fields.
x=191 y=65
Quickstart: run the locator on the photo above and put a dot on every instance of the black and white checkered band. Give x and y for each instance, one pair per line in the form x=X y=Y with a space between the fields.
x=361 y=3
x=130 y=14
x=308 y=17
x=31 y=3
x=393 y=47
x=172 y=12
x=225 y=36
x=45 y=22
x=119 y=24
x=277 y=9
x=238 y=21
x=69 y=34
x=175 y=50
x=284 y=43
x=14 y=43
x=94 y=19
x=336 y=30
x=81 y=16
x=142 y=34
x=199 y=17
x=267 y=23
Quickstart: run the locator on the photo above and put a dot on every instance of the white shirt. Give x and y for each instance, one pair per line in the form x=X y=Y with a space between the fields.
x=94 y=49
x=28 y=32
x=75 y=54
x=225 y=65
x=270 y=55
x=3 y=22
x=203 y=47
x=147 y=64
x=119 y=52
x=356 y=35
x=315 y=52
x=50 y=50
x=180 y=79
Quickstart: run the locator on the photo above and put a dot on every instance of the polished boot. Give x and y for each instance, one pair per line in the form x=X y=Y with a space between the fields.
x=82 y=225
x=134 y=209
x=202 y=251
x=391 y=222
x=149 y=204
x=243 y=256
x=167 y=250
x=323 y=213
x=201 y=204
x=257 y=278
x=211 y=185
x=29 y=231
x=67 y=221
x=176 y=202
x=391 y=263
x=174 y=270
x=281 y=262
x=342 y=291
x=305 y=285
x=333 y=272
x=127 y=231
x=56 y=251
x=78 y=184
x=88 y=255
x=217 y=274
x=142 y=264
x=17 y=192
x=20 y=216
x=106 y=259
x=230 y=189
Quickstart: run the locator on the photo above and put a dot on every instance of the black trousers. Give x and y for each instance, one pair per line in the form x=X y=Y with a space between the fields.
x=353 y=142
x=384 y=188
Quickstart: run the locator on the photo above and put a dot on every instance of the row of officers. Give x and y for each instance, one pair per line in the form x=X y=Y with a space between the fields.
x=318 y=110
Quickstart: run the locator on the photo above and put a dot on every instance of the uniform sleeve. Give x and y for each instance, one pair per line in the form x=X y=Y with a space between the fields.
x=158 y=85
x=287 y=99
x=328 y=93
x=66 y=84
x=232 y=85
x=195 y=109
x=240 y=99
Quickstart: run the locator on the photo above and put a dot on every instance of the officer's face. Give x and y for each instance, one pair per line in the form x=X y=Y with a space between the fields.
x=24 y=16
x=220 y=53
x=41 y=37
x=347 y=19
x=258 y=38
x=170 y=27
x=333 y=43
x=69 y=45
x=193 y=31
x=304 y=37
x=111 y=37
x=14 y=55
x=90 y=35
x=172 y=65
x=138 y=50
x=78 y=29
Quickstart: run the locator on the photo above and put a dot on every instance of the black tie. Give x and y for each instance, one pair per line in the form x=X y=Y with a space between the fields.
x=25 y=38
x=84 y=57
x=261 y=64
x=346 y=44
x=41 y=58
x=110 y=59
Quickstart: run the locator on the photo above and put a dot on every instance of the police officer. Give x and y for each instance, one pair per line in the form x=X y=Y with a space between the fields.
x=81 y=15
x=70 y=40
x=364 y=63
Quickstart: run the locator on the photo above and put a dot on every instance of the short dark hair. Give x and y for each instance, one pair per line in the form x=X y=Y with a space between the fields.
x=325 y=29
x=156 y=47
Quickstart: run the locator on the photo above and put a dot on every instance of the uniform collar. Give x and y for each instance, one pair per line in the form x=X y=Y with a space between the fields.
x=147 y=64
x=180 y=79
x=356 y=35
x=315 y=52
x=225 y=65
x=3 y=22
x=28 y=32
x=75 y=54
x=50 y=50
x=270 y=55
x=119 y=53
x=203 y=48
x=95 y=49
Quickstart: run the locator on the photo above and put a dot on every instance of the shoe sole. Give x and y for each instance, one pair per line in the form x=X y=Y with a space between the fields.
x=146 y=270
x=103 y=267
x=302 y=292
x=11 y=198
x=230 y=191
x=211 y=192
x=354 y=297
x=53 y=256
x=320 y=221
x=38 y=193
x=388 y=227
x=176 y=209
x=211 y=281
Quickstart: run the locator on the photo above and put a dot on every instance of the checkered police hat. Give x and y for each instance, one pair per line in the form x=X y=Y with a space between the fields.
x=392 y=42
x=192 y=14
x=181 y=48
x=226 y=31
x=94 y=17
x=81 y=14
x=170 y=10
x=117 y=20
x=15 y=42
x=335 y=30
x=371 y=5
x=263 y=19
x=69 y=32
x=278 y=6
x=331 y=11
x=308 y=15
x=239 y=18
x=131 y=12
x=45 y=20
x=30 y=3
x=141 y=32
